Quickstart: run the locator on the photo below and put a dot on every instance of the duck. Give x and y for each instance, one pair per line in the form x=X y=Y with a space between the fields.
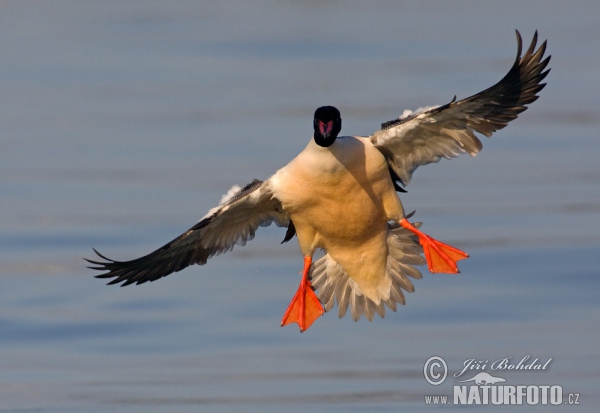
x=340 y=195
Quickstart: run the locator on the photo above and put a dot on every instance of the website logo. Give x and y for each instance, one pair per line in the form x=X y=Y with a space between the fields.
x=490 y=388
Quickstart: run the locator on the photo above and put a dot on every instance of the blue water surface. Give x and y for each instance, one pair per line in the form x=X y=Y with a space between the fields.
x=123 y=122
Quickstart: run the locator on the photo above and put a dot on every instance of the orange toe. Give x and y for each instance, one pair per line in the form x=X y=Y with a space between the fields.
x=440 y=257
x=305 y=307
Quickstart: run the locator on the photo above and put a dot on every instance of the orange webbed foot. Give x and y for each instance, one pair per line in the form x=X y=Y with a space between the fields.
x=305 y=307
x=440 y=257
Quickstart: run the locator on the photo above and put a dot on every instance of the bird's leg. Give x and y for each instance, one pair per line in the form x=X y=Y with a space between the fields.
x=305 y=307
x=440 y=257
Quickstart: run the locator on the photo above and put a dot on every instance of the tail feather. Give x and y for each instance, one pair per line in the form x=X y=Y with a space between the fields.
x=342 y=296
x=401 y=281
x=327 y=296
x=379 y=309
x=332 y=284
x=397 y=295
x=357 y=306
x=411 y=271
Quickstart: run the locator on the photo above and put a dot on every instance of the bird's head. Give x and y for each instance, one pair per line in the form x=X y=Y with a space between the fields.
x=327 y=125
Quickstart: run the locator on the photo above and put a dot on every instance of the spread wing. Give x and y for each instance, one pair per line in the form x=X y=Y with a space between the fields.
x=447 y=131
x=233 y=222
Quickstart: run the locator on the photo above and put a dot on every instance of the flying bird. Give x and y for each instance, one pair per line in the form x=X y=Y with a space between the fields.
x=340 y=195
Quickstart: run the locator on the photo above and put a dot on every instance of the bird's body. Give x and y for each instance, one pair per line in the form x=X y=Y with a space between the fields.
x=340 y=199
x=339 y=195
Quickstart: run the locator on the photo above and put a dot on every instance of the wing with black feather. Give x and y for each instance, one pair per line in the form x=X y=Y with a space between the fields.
x=447 y=131
x=233 y=222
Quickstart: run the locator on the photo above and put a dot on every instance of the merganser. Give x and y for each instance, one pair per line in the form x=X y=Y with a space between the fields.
x=340 y=195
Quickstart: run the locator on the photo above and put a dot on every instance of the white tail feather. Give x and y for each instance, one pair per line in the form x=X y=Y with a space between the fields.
x=332 y=284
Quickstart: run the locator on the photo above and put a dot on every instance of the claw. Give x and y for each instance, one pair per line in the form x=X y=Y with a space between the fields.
x=305 y=307
x=440 y=257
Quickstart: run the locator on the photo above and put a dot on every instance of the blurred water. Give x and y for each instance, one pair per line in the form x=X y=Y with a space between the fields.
x=122 y=123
